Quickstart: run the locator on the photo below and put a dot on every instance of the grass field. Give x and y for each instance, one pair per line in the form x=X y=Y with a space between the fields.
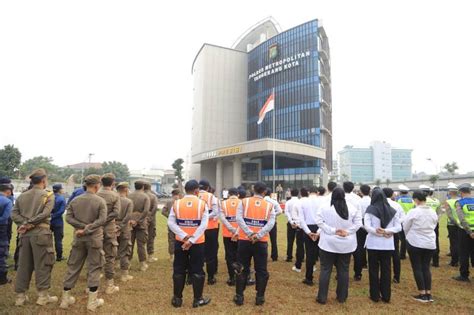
x=151 y=292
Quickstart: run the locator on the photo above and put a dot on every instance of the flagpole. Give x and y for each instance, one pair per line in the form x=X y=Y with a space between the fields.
x=274 y=114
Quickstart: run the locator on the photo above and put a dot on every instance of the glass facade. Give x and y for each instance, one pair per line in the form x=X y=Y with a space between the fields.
x=291 y=64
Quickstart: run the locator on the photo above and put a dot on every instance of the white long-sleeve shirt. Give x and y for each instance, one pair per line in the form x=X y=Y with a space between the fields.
x=375 y=240
x=419 y=226
x=364 y=204
x=329 y=221
x=400 y=213
x=292 y=210
x=174 y=227
x=276 y=205
x=354 y=200
x=242 y=225
x=309 y=208
x=214 y=206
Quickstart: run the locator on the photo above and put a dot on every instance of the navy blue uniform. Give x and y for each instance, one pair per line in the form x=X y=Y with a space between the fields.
x=6 y=207
x=57 y=223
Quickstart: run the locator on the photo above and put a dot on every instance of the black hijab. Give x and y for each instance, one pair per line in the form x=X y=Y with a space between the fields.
x=338 y=200
x=380 y=208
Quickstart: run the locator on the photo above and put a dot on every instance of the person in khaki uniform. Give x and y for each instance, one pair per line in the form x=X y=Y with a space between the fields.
x=150 y=245
x=124 y=223
x=112 y=199
x=87 y=214
x=176 y=195
x=32 y=213
x=141 y=208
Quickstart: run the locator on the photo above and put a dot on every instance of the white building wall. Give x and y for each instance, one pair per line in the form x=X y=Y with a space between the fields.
x=382 y=153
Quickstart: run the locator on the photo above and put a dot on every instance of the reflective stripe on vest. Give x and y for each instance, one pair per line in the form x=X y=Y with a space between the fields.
x=189 y=213
x=467 y=205
x=452 y=208
x=256 y=215
x=433 y=203
x=407 y=203
x=207 y=198
x=230 y=207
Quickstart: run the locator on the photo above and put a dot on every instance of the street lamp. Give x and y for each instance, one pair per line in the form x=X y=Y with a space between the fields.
x=437 y=170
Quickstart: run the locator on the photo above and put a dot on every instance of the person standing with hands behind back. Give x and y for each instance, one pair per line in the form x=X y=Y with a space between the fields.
x=338 y=223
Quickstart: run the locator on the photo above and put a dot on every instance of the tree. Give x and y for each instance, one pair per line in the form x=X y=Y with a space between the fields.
x=434 y=179
x=10 y=160
x=120 y=170
x=451 y=168
x=39 y=162
x=178 y=171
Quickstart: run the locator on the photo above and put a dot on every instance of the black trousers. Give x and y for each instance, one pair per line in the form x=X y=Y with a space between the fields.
x=230 y=248
x=211 y=247
x=436 y=253
x=403 y=245
x=312 y=251
x=360 y=255
x=453 y=235
x=466 y=250
x=299 y=248
x=290 y=240
x=327 y=261
x=380 y=274
x=420 y=259
x=397 y=266
x=259 y=252
x=58 y=232
x=188 y=261
x=273 y=240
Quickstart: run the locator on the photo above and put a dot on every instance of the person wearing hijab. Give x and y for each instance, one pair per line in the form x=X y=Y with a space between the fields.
x=338 y=223
x=381 y=223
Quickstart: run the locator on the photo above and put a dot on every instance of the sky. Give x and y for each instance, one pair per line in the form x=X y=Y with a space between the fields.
x=113 y=78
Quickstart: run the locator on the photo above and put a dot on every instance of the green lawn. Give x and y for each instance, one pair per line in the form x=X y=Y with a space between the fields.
x=151 y=292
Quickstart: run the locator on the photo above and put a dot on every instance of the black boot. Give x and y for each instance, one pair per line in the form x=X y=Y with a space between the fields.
x=261 y=286
x=240 y=284
x=231 y=281
x=178 y=286
x=3 y=278
x=210 y=269
x=198 y=287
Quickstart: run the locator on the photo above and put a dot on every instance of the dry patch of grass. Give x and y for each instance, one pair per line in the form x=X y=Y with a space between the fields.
x=151 y=292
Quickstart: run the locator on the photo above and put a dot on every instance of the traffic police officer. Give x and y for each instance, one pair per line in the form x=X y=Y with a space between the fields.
x=230 y=231
x=6 y=207
x=32 y=213
x=435 y=205
x=212 y=231
x=124 y=225
x=87 y=214
x=112 y=200
x=407 y=203
x=188 y=219
x=57 y=222
x=150 y=246
x=453 y=223
x=465 y=212
x=255 y=218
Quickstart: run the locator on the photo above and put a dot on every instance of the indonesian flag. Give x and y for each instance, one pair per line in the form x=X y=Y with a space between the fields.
x=268 y=107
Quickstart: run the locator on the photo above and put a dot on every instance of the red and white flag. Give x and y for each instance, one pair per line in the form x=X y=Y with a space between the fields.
x=268 y=107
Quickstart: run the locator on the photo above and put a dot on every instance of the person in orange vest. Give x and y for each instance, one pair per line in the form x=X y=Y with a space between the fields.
x=211 y=247
x=188 y=220
x=230 y=230
x=255 y=217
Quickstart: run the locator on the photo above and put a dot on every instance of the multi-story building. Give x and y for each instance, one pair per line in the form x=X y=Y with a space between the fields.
x=378 y=162
x=231 y=86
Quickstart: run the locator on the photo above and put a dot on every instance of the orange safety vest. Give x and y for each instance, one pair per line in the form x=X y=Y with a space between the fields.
x=229 y=207
x=189 y=212
x=207 y=198
x=256 y=214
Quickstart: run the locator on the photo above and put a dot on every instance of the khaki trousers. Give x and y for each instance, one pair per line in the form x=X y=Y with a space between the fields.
x=141 y=236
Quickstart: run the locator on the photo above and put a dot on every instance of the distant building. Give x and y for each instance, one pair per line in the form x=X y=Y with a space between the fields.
x=378 y=162
x=84 y=166
x=159 y=178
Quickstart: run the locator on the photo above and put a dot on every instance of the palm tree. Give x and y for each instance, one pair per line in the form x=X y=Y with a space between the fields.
x=434 y=179
x=451 y=168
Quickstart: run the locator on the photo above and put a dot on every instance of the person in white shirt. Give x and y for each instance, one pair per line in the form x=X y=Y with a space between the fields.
x=360 y=255
x=309 y=207
x=292 y=210
x=338 y=223
x=419 y=226
x=381 y=223
x=389 y=193
x=273 y=232
x=331 y=186
x=351 y=198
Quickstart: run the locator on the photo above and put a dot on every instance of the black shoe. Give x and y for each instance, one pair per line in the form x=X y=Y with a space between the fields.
x=429 y=297
x=201 y=302
x=259 y=300
x=461 y=279
x=397 y=281
x=239 y=300
x=250 y=281
x=341 y=301
x=289 y=259
x=374 y=300
x=357 y=278
x=176 y=301
x=211 y=281
x=4 y=279
x=453 y=264
x=274 y=259
x=231 y=282
x=308 y=282
x=436 y=265
x=320 y=302
x=421 y=298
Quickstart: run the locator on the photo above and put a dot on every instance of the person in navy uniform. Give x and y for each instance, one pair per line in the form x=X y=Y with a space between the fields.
x=6 y=206
x=57 y=222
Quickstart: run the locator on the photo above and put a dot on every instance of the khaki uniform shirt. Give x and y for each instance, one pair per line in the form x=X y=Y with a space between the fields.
x=88 y=212
x=125 y=213
x=34 y=207
x=141 y=207
x=112 y=200
x=167 y=208
x=153 y=206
